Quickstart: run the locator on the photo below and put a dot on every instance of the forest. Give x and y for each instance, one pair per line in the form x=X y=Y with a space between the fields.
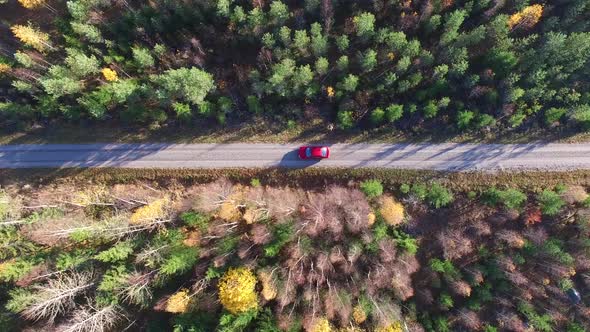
x=450 y=67
x=248 y=256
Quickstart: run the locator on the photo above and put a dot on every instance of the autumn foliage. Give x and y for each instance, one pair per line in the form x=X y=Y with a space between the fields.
x=391 y=211
x=109 y=74
x=290 y=259
x=526 y=18
x=31 y=4
x=31 y=36
x=153 y=211
x=237 y=291
x=178 y=302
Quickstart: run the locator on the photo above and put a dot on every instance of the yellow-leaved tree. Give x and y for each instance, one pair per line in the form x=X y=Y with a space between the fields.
x=322 y=325
x=526 y=18
x=391 y=210
x=32 y=4
x=178 y=302
x=110 y=75
x=156 y=210
x=237 y=290
x=4 y=68
x=37 y=39
x=395 y=327
x=358 y=314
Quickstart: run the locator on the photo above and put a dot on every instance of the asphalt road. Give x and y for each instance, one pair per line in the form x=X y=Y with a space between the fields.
x=464 y=157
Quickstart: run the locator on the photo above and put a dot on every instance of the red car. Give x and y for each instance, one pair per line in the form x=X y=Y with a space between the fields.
x=314 y=152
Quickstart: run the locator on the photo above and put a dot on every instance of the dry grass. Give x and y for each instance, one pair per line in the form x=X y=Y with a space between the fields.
x=311 y=178
x=264 y=131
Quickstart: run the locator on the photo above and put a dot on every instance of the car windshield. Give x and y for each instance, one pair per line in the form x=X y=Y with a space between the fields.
x=324 y=151
x=308 y=152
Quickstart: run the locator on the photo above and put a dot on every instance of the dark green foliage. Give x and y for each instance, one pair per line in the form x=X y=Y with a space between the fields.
x=445 y=267
x=13 y=244
x=574 y=327
x=118 y=252
x=236 y=323
x=16 y=269
x=554 y=248
x=446 y=301
x=194 y=322
x=183 y=111
x=227 y=244
x=345 y=119
x=254 y=104
x=538 y=322
x=180 y=260
x=510 y=198
x=430 y=110
x=461 y=271
x=75 y=258
x=111 y=283
x=554 y=115
x=405 y=242
x=282 y=234
x=195 y=219
x=280 y=53
x=464 y=119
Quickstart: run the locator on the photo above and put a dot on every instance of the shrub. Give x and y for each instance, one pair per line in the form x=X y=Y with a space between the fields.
x=395 y=327
x=439 y=196
x=391 y=211
x=178 y=302
x=183 y=111
x=254 y=104
x=553 y=115
x=551 y=203
x=419 y=191
x=118 y=252
x=322 y=325
x=237 y=291
x=430 y=110
x=372 y=188
x=153 y=211
x=345 y=120
x=195 y=219
x=511 y=198
x=446 y=301
x=404 y=188
x=282 y=234
x=393 y=112
x=377 y=116
x=464 y=119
